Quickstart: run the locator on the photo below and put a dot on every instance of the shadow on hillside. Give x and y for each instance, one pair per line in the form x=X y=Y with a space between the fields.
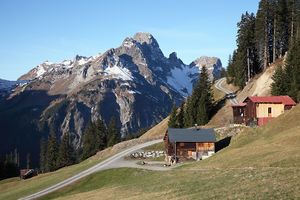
x=221 y=144
x=217 y=106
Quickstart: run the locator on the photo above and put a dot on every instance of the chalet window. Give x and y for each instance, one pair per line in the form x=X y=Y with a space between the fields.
x=189 y=145
x=269 y=112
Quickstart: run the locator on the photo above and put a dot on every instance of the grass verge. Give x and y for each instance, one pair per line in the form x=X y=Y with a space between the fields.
x=155 y=147
x=127 y=183
x=15 y=188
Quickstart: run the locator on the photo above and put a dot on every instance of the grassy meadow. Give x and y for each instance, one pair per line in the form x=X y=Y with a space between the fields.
x=260 y=163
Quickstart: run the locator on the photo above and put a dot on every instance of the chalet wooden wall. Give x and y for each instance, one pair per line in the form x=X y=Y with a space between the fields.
x=186 y=148
x=238 y=114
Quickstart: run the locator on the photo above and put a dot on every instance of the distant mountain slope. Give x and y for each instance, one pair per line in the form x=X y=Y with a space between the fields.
x=135 y=83
x=6 y=87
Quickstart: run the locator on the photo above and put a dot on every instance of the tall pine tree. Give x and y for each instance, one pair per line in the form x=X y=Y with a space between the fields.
x=199 y=106
x=52 y=152
x=88 y=141
x=65 y=152
x=173 y=117
x=202 y=115
x=180 y=116
x=188 y=118
x=43 y=150
x=100 y=134
x=292 y=69
x=112 y=132
x=279 y=86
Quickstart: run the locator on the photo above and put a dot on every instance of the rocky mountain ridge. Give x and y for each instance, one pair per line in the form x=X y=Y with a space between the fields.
x=135 y=83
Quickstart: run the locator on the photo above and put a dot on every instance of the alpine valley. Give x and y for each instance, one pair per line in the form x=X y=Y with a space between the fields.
x=135 y=83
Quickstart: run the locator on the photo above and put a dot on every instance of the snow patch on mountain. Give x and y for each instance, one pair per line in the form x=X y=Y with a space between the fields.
x=119 y=72
x=181 y=80
x=48 y=67
x=40 y=71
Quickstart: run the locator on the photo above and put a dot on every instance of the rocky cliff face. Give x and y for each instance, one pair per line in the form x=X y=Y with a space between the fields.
x=135 y=83
x=213 y=65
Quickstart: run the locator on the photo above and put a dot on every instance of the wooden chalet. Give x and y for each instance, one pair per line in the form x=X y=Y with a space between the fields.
x=261 y=109
x=182 y=144
x=27 y=173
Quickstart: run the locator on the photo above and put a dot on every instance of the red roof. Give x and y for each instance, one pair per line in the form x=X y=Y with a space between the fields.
x=239 y=105
x=286 y=100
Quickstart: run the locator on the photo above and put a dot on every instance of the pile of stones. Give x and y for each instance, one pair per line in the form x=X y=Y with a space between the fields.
x=147 y=154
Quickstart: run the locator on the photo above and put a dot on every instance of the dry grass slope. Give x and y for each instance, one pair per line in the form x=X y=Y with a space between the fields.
x=158 y=130
x=260 y=163
x=276 y=144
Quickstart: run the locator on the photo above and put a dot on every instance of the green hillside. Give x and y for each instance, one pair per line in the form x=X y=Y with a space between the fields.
x=260 y=163
x=15 y=188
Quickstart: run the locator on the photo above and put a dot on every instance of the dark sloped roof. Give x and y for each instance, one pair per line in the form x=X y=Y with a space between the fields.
x=191 y=135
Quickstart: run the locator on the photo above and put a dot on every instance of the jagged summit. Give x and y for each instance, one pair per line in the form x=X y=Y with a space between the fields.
x=147 y=38
x=213 y=65
x=142 y=39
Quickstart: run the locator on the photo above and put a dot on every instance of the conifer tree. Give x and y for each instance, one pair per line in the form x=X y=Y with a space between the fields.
x=180 y=116
x=263 y=25
x=278 y=87
x=202 y=115
x=188 y=120
x=8 y=167
x=292 y=69
x=204 y=105
x=199 y=106
x=282 y=27
x=95 y=138
x=173 y=117
x=65 y=152
x=88 y=141
x=205 y=91
x=43 y=150
x=52 y=152
x=112 y=132
x=100 y=134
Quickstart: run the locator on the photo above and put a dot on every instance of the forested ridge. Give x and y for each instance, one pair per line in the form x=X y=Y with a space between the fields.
x=263 y=38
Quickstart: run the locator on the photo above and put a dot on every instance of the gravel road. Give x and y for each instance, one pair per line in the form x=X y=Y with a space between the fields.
x=114 y=161
x=219 y=87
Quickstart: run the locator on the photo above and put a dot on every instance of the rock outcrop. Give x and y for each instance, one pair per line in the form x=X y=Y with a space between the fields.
x=213 y=65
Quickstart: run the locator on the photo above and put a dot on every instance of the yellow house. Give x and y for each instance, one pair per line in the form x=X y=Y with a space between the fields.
x=261 y=109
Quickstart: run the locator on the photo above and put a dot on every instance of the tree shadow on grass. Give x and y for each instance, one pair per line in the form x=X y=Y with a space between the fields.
x=221 y=144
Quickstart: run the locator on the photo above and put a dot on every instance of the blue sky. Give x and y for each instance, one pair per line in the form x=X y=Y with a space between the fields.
x=35 y=31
